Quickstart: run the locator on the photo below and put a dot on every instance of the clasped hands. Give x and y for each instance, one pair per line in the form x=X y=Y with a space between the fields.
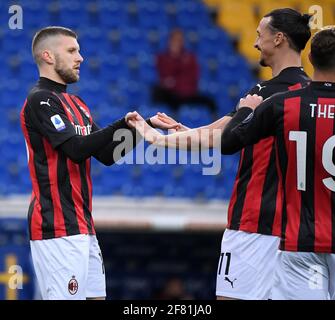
x=159 y=121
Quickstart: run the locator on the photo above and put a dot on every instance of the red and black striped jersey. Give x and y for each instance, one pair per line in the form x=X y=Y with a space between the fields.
x=61 y=201
x=303 y=125
x=255 y=204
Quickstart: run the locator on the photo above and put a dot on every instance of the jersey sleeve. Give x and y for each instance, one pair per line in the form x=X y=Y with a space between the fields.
x=49 y=117
x=248 y=127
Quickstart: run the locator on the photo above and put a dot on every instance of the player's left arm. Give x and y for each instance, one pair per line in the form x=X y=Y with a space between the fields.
x=124 y=140
x=249 y=125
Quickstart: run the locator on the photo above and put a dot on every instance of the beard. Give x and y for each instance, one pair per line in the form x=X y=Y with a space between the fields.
x=67 y=75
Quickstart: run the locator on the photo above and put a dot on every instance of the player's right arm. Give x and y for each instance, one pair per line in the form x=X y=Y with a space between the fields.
x=46 y=113
x=252 y=122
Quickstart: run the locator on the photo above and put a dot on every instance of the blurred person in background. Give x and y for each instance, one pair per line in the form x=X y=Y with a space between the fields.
x=178 y=72
x=61 y=138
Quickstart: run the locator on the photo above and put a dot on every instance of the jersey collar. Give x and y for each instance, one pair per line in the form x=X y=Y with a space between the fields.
x=51 y=85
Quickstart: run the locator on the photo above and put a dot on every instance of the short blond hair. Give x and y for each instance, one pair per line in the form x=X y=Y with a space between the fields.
x=46 y=33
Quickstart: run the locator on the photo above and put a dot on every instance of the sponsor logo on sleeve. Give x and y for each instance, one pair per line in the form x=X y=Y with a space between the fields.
x=58 y=122
x=45 y=102
x=260 y=87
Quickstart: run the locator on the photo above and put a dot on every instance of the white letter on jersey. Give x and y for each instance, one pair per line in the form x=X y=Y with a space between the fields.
x=327 y=161
x=313 y=105
x=301 y=138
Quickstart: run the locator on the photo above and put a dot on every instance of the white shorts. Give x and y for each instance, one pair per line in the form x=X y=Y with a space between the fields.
x=69 y=268
x=304 y=276
x=246 y=266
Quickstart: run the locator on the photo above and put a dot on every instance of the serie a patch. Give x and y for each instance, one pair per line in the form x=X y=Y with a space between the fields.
x=58 y=122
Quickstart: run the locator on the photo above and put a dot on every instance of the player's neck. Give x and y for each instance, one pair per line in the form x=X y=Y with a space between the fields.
x=285 y=61
x=52 y=76
x=323 y=76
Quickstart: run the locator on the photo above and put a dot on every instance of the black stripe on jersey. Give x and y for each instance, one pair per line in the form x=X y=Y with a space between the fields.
x=30 y=215
x=307 y=217
x=282 y=159
x=269 y=196
x=85 y=196
x=47 y=210
x=241 y=189
x=68 y=208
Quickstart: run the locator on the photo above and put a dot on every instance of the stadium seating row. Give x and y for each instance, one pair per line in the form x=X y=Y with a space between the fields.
x=119 y=40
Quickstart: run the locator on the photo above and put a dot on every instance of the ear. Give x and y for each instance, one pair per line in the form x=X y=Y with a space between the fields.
x=279 y=38
x=48 y=57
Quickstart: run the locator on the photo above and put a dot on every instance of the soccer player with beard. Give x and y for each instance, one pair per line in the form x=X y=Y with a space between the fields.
x=302 y=124
x=61 y=137
x=251 y=239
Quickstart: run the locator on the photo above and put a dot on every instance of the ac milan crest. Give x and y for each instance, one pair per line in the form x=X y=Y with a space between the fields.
x=73 y=285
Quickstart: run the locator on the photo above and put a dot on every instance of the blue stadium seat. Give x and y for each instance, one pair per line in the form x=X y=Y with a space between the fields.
x=119 y=41
x=113 y=15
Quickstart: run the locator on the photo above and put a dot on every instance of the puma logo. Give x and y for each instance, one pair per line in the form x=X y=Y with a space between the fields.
x=231 y=282
x=260 y=87
x=45 y=102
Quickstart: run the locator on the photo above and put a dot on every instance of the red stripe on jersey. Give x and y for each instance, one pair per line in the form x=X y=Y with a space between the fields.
x=88 y=161
x=36 y=218
x=252 y=203
x=75 y=177
x=322 y=195
x=277 y=223
x=52 y=158
x=83 y=105
x=293 y=196
x=295 y=87
x=74 y=108
x=234 y=194
x=67 y=111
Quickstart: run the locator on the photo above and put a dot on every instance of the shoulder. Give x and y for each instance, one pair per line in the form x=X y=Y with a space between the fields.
x=79 y=98
x=280 y=97
x=38 y=98
x=260 y=88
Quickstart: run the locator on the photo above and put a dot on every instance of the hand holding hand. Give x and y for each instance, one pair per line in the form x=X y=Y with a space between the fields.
x=132 y=117
x=162 y=117
x=163 y=123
